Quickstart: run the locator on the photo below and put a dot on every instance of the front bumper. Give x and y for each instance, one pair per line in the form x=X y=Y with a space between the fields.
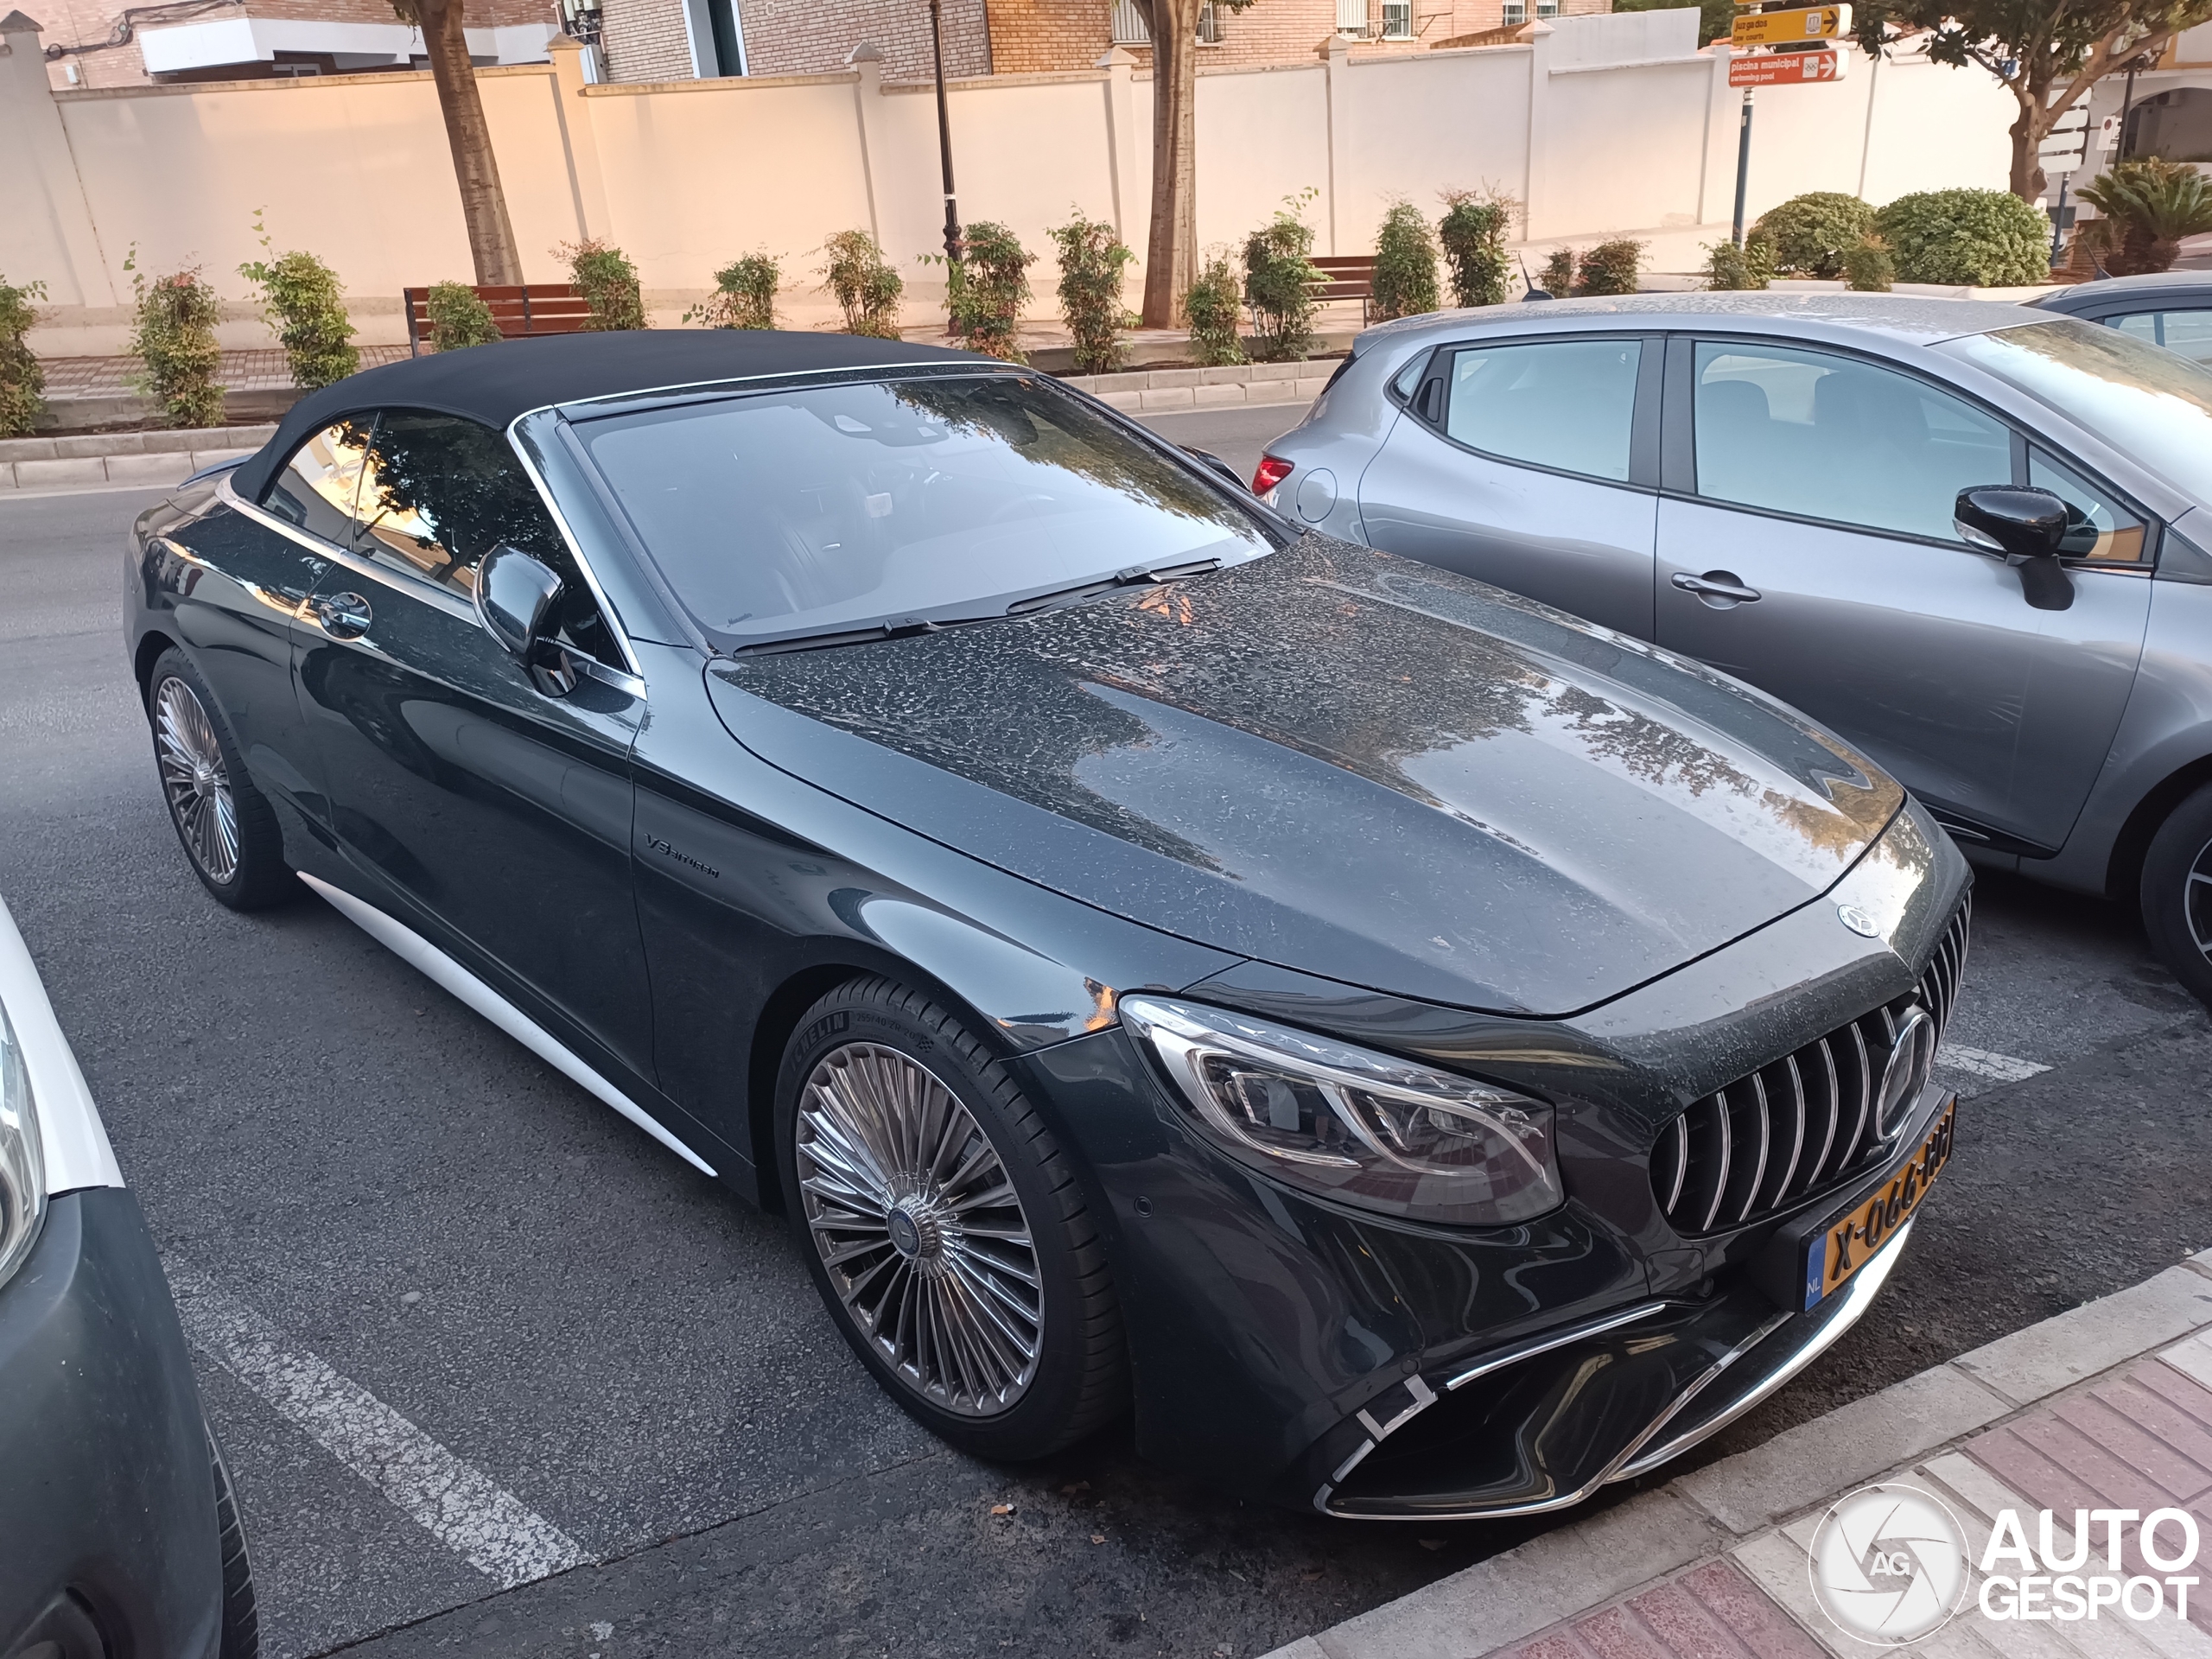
x=107 y=1500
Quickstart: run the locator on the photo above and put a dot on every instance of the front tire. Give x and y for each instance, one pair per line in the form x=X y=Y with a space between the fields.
x=226 y=826
x=944 y=1227
x=2177 y=893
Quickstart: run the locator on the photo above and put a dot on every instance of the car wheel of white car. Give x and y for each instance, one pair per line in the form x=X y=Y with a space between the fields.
x=2176 y=893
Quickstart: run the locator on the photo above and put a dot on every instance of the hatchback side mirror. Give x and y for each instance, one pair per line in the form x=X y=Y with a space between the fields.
x=515 y=595
x=2026 y=527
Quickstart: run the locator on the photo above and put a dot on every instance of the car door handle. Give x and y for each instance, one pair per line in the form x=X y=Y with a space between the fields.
x=1718 y=588
x=342 y=616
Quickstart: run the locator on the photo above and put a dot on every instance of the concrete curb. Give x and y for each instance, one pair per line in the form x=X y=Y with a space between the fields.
x=1151 y=391
x=147 y=458
x=1584 y=1564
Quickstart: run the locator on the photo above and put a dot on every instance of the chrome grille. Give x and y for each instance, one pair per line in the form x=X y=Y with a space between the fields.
x=1799 y=1124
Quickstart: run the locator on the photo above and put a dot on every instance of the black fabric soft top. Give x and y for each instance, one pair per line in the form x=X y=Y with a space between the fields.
x=494 y=383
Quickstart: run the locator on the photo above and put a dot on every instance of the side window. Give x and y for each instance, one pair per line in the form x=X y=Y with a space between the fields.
x=439 y=493
x=2101 y=528
x=2188 y=332
x=1832 y=438
x=1568 y=404
x=316 y=488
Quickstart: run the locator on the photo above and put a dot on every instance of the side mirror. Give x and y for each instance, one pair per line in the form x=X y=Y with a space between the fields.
x=1207 y=459
x=2026 y=527
x=515 y=595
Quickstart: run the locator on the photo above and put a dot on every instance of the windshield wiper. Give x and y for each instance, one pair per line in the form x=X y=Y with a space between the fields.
x=1137 y=575
x=900 y=627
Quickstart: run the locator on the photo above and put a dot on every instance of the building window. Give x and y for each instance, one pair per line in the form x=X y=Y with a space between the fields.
x=1516 y=11
x=1351 y=16
x=1546 y=8
x=1130 y=25
x=1398 y=19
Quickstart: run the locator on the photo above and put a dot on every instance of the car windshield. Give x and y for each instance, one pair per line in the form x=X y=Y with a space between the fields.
x=2150 y=403
x=835 y=509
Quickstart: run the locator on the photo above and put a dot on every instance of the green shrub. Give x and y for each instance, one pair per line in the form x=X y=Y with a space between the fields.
x=457 y=316
x=1215 y=309
x=1867 y=266
x=1812 y=232
x=1278 y=279
x=866 y=287
x=1405 y=264
x=1989 y=238
x=1473 y=233
x=986 y=290
x=2151 y=205
x=1611 y=267
x=1558 y=278
x=1727 y=266
x=608 y=282
x=744 y=295
x=1092 y=258
x=23 y=381
x=305 y=308
x=173 y=339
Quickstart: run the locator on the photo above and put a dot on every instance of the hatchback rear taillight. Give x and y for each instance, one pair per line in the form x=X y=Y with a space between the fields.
x=1271 y=471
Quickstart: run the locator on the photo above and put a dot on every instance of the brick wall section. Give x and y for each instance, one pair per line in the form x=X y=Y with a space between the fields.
x=645 y=39
x=811 y=37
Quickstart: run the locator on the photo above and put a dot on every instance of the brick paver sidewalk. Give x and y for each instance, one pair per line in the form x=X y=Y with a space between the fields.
x=260 y=370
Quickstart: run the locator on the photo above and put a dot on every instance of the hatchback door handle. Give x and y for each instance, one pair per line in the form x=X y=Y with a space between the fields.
x=1721 y=588
x=343 y=616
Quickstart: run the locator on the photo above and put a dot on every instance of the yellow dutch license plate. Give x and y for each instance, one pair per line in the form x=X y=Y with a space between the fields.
x=1849 y=1241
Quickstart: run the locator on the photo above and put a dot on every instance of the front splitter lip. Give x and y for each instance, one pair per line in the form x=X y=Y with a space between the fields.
x=1650 y=1447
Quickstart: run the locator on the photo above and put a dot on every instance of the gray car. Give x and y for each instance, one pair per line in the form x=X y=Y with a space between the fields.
x=1967 y=537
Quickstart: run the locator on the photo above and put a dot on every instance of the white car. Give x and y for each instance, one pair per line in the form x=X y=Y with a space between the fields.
x=119 y=1533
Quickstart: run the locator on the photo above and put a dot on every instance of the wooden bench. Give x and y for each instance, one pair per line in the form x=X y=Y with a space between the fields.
x=1346 y=276
x=519 y=309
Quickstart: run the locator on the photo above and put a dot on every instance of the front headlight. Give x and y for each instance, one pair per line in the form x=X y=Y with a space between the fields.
x=22 y=1169
x=1367 y=1128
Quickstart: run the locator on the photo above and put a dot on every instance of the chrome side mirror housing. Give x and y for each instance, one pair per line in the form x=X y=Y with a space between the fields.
x=515 y=595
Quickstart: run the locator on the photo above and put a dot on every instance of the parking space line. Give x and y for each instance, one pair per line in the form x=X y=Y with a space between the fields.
x=1981 y=1062
x=464 y=1508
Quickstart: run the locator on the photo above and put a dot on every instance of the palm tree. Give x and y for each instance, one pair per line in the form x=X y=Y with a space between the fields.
x=2153 y=204
x=483 y=204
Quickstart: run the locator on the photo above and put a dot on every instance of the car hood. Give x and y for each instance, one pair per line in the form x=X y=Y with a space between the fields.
x=1345 y=763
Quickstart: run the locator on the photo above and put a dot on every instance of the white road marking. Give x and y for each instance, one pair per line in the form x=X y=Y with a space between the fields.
x=464 y=1508
x=1983 y=1064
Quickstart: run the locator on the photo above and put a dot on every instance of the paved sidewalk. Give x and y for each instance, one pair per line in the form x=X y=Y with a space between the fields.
x=2105 y=1407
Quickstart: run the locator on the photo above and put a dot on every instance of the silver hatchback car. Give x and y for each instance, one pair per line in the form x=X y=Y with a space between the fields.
x=1969 y=538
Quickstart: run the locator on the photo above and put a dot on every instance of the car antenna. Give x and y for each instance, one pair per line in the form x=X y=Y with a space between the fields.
x=1534 y=292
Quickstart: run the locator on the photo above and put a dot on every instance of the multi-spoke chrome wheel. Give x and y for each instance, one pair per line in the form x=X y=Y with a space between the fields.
x=920 y=1228
x=2196 y=901
x=196 y=779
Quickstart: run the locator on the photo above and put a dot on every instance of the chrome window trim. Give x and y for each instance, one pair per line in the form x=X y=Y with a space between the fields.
x=631 y=679
x=414 y=586
x=708 y=388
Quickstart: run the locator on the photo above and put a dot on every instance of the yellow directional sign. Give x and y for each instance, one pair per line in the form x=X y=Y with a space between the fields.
x=1786 y=28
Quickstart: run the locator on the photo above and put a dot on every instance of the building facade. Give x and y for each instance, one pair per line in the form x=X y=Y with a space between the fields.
x=674 y=40
x=96 y=44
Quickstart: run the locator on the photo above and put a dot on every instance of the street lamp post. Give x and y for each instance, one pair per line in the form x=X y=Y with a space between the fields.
x=944 y=133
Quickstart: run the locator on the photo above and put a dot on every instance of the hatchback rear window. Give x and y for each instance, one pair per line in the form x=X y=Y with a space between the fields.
x=834 y=508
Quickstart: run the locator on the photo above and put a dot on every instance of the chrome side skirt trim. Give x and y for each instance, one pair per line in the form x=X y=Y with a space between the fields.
x=434 y=964
x=1633 y=1460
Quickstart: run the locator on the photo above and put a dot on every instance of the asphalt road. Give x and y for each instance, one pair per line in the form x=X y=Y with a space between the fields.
x=383 y=1182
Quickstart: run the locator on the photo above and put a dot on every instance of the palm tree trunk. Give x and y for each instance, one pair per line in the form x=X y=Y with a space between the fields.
x=483 y=204
x=1171 y=262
